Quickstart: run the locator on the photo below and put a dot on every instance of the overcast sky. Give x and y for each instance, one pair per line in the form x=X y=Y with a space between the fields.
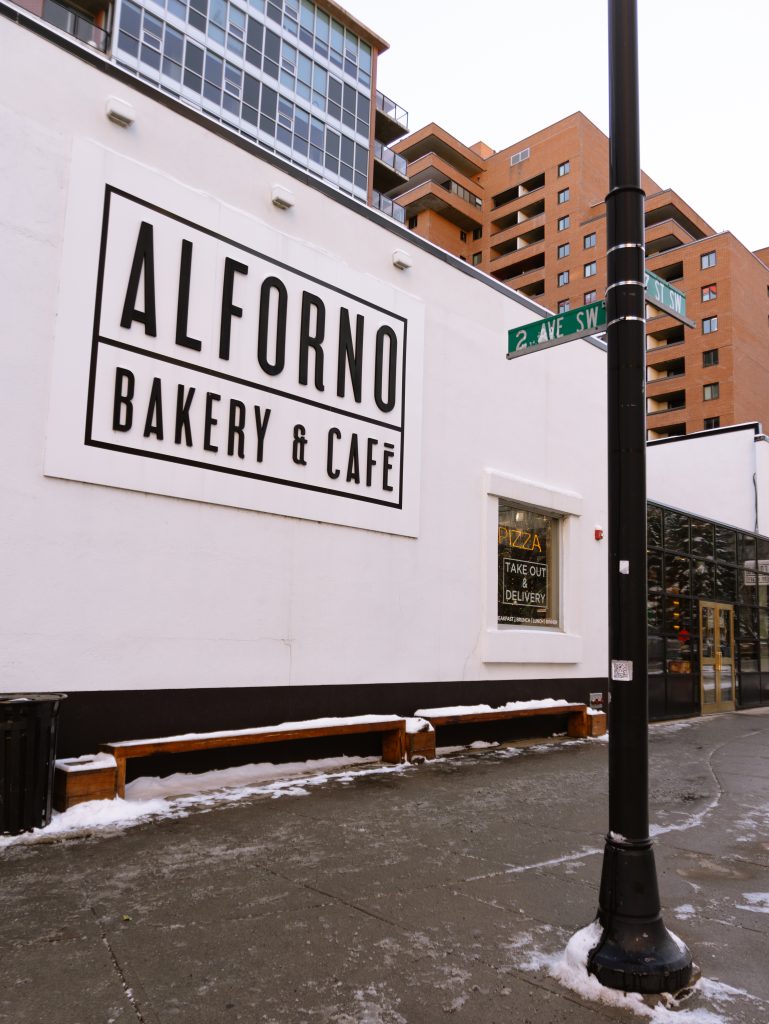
x=499 y=70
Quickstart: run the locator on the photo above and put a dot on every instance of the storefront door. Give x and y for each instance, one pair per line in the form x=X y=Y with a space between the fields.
x=717 y=680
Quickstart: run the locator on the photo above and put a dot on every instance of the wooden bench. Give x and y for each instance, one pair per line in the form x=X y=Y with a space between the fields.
x=392 y=729
x=578 y=718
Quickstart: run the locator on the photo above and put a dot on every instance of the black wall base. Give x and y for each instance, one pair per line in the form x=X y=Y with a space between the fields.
x=89 y=718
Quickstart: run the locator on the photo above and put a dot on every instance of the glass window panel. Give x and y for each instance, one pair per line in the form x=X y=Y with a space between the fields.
x=361 y=159
x=173 y=45
x=726 y=582
x=267 y=125
x=284 y=135
x=316 y=155
x=307 y=15
x=316 y=132
x=321 y=25
x=703 y=578
x=677 y=573
x=255 y=34
x=270 y=68
x=332 y=143
x=217 y=12
x=527 y=574
x=361 y=180
x=231 y=104
x=197 y=21
x=235 y=46
x=302 y=123
x=130 y=19
x=128 y=44
x=153 y=28
x=250 y=115
x=214 y=68
x=304 y=90
x=150 y=56
x=726 y=544
x=678 y=616
x=216 y=33
x=365 y=56
x=332 y=163
x=702 y=538
x=272 y=45
x=304 y=69
x=319 y=79
x=348 y=150
x=269 y=102
x=274 y=12
x=337 y=37
x=656 y=655
x=654 y=611
x=676 y=531
x=346 y=172
x=301 y=146
x=251 y=90
x=654 y=525
x=172 y=69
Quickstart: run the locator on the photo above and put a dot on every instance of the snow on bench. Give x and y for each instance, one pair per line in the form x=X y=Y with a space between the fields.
x=577 y=714
x=392 y=728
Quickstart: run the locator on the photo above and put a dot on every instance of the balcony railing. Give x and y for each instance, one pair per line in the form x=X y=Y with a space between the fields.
x=75 y=24
x=462 y=192
x=390 y=158
x=380 y=202
x=391 y=108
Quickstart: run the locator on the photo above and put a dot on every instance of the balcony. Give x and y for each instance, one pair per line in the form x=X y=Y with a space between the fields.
x=664 y=337
x=385 y=205
x=665 y=370
x=389 y=168
x=433 y=139
x=392 y=121
x=668 y=401
x=510 y=271
x=79 y=23
x=447 y=197
x=659 y=431
x=516 y=243
x=525 y=188
x=665 y=235
x=516 y=217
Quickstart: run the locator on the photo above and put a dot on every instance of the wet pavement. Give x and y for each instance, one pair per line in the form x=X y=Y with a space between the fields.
x=438 y=892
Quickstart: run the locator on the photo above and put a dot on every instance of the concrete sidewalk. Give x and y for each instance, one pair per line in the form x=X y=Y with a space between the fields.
x=430 y=894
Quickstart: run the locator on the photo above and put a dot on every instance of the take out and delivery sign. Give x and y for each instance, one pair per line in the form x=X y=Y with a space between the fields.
x=201 y=354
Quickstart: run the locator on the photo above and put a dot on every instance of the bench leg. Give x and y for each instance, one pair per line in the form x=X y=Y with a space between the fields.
x=120 y=776
x=578 y=724
x=393 y=746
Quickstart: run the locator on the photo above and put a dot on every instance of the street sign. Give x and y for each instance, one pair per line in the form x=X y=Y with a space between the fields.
x=590 y=319
x=556 y=330
x=667 y=298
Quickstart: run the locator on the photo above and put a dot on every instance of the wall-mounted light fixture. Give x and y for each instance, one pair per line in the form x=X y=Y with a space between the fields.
x=282 y=197
x=120 y=112
x=401 y=260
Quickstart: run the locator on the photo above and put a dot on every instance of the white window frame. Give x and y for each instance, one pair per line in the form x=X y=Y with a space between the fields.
x=563 y=645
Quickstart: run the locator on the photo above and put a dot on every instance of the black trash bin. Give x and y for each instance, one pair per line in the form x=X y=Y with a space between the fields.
x=28 y=726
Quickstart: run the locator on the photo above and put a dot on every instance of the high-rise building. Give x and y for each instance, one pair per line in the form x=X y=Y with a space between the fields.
x=533 y=216
x=296 y=77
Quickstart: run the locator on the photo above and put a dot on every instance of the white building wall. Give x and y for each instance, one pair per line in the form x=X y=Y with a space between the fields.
x=121 y=587
x=721 y=475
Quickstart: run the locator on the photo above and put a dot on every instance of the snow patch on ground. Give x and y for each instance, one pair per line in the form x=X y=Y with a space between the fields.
x=685 y=912
x=182 y=793
x=758 y=902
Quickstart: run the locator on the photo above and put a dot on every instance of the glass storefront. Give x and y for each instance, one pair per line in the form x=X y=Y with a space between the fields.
x=708 y=615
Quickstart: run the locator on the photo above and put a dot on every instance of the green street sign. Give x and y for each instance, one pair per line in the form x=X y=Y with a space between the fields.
x=556 y=330
x=667 y=298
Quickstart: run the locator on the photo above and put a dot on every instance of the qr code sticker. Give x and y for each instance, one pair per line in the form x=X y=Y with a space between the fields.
x=621 y=671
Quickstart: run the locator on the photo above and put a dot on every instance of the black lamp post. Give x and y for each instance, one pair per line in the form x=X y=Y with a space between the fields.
x=636 y=952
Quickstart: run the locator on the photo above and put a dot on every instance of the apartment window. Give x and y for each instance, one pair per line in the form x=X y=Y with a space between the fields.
x=564 y=168
x=709 y=292
x=563 y=195
x=462 y=236
x=710 y=358
x=564 y=306
x=707 y=260
x=563 y=278
x=591 y=269
x=527 y=567
x=589 y=241
x=413 y=222
x=477 y=257
x=712 y=422
x=590 y=297
x=563 y=223
x=709 y=392
x=477 y=233
x=710 y=325
x=563 y=250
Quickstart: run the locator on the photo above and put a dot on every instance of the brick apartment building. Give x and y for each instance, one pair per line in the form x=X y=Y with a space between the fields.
x=298 y=78
x=533 y=216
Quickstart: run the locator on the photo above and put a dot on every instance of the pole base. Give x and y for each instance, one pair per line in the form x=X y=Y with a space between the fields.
x=636 y=952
